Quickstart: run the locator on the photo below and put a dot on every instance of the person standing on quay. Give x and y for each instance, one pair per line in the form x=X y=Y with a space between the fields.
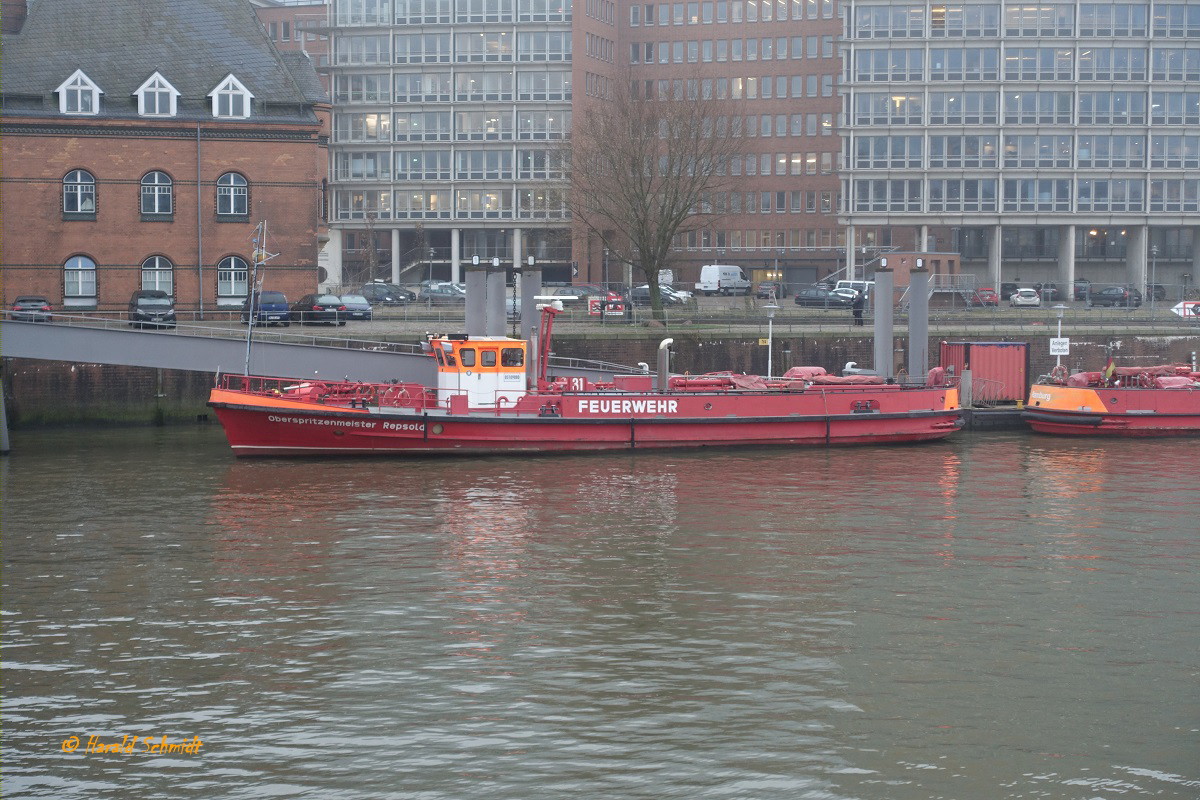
x=860 y=302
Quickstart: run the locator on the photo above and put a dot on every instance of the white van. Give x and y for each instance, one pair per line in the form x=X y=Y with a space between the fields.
x=722 y=279
x=862 y=287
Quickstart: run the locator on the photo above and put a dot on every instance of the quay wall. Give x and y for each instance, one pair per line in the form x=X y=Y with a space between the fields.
x=49 y=393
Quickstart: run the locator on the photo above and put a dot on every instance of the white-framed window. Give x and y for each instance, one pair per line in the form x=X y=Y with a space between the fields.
x=233 y=195
x=158 y=273
x=79 y=193
x=231 y=99
x=232 y=277
x=78 y=94
x=156 y=194
x=157 y=97
x=79 y=281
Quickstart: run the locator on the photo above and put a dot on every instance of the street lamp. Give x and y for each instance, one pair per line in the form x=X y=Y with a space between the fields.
x=770 y=308
x=1153 y=276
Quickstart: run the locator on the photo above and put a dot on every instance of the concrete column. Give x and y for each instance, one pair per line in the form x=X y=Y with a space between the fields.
x=1135 y=256
x=995 y=256
x=1066 y=260
x=918 y=323
x=849 y=252
x=395 y=255
x=924 y=240
x=455 y=255
x=884 y=300
x=331 y=257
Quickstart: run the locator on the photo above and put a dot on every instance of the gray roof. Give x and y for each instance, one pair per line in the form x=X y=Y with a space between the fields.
x=194 y=44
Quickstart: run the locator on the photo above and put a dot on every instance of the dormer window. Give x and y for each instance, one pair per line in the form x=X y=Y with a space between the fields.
x=156 y=97
x=231 y=99
x=79 y=95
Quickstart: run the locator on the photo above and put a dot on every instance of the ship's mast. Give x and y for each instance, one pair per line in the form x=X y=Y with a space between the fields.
x=254 y=285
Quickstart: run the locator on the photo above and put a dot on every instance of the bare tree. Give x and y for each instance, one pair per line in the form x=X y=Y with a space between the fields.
x=643 y=170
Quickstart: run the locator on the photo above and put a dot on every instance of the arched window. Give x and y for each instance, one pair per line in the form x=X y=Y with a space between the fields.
x=233 y=196
x=156 y=194
x=158 y=273
x=232 y=277
x=79 y=194
x=79 y=281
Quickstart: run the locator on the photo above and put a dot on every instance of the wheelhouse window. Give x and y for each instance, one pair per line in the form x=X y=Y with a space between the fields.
x=233 y=196
x=79 y=195
x=231 y=99
x=232 y=278
x=156 y=196
x=156 y=97
x=158 y=273
x=79 y=95
x=79 y=282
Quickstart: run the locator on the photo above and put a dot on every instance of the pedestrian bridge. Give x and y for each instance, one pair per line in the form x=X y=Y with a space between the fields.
x=213 y=348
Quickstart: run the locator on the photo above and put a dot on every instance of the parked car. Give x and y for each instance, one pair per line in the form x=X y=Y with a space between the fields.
x=640 y=296
x=444 y=294
x=382 y=293
x=1118 y=296
x=767 y=288
x=318 y=308
x=269 y=307
x=1081 y=288
x=1007 y=290
x=817 y=297
x=1025 y=297
x=1048 y=291
x=151 y=307
x=31 y=308
x=1157 y=291
x=356 y=307
x=986 y=296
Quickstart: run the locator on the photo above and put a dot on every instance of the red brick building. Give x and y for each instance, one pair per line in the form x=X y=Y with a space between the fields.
x=298 y=25
x=151 y=166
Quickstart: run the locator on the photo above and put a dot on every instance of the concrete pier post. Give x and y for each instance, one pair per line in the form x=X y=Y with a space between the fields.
x=495 y=316
x=883 y=301
x=531 y=287
x=476 y=299
x=918 y=323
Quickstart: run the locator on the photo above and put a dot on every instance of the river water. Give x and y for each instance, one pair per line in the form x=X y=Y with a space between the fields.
x=995 y=616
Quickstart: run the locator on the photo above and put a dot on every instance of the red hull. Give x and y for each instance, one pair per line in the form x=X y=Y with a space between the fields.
x=1131 y=412
x=596 y=422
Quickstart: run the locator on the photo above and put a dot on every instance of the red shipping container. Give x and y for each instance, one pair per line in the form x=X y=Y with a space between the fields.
x=999 y=370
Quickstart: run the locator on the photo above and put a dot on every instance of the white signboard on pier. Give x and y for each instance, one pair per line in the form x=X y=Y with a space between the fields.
x=1188 y=309
x=1060 y=347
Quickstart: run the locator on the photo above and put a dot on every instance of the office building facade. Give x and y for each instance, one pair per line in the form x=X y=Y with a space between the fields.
x=1046 y=141
x=449 y=116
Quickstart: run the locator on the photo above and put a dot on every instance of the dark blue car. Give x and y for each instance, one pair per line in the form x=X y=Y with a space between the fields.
x=271 y=308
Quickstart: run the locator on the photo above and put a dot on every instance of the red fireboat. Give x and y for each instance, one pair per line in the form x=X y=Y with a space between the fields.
x=482 y=404
x=1149 y=401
